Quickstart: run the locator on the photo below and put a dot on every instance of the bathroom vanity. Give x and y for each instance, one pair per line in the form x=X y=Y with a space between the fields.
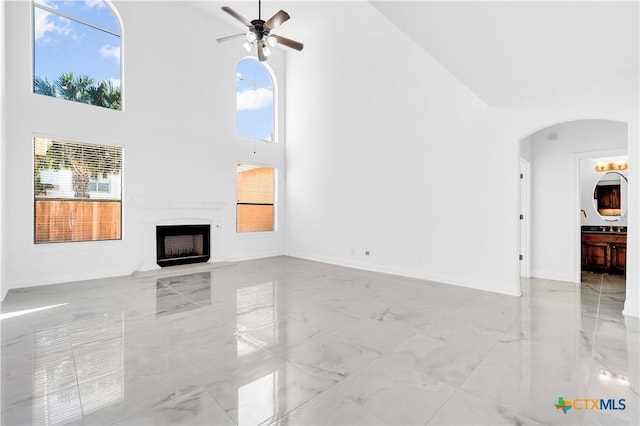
x=604 y=245
x=604 y=249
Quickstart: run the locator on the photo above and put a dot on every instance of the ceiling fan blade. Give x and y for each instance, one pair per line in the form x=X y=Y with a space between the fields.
x=261 y=56
x=276 y=20
x=236 y=15
x=288 y=42
x=231 y=37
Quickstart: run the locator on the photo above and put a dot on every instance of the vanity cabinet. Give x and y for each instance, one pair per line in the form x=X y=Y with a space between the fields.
x=604 y=252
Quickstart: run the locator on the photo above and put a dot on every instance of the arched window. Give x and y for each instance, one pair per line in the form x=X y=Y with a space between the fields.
x=255 y=101
x=77 y=51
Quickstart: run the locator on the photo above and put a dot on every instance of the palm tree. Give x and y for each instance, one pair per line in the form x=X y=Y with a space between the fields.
x=43 y=86
x=113 y=95
x=74 y=89
x=104 y=94
x=84 y=160
x=80 y=89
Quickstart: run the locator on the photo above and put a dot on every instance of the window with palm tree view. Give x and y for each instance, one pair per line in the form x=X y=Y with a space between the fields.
x=77 y=52
x=77 y=191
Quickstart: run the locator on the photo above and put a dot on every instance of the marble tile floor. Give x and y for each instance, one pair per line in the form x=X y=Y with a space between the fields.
x=287 y=341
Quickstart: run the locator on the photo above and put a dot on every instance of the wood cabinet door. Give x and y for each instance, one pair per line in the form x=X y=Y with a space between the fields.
x=618 y=258
x=595 y=256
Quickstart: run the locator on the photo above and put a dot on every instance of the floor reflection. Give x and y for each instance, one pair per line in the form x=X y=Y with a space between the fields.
x=285 y=341
x=256 y=312
x=182 y=293
x=257 y=401
x=78 y=368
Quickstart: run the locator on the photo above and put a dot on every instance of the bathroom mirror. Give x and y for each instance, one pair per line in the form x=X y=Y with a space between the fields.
x=610 y=196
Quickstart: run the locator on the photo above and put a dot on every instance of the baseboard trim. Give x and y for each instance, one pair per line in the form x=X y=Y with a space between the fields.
x=423 y=275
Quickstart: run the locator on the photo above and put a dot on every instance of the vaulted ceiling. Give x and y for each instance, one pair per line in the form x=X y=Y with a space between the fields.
x=508 y=50
x=503 y=51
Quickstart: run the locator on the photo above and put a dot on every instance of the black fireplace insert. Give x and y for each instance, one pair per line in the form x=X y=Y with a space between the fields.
x=182 y=244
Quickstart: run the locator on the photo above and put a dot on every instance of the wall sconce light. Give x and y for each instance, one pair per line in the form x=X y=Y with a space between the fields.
x=611 y=165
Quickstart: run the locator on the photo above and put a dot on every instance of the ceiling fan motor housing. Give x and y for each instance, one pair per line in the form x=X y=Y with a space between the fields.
x=259 y=29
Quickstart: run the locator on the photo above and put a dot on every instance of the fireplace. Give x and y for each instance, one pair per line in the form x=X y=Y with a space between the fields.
x=182 y=244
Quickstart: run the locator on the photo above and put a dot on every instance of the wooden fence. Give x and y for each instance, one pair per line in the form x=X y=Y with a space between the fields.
x=77 y=220
x=254 y=218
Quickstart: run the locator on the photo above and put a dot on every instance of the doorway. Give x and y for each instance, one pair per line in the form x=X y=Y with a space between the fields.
x=603 y=221
x=553 y=194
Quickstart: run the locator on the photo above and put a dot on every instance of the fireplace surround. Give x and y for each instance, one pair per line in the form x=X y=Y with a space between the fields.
x=182 y=244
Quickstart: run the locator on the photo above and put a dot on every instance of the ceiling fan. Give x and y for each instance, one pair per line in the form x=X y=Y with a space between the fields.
x=260 y=32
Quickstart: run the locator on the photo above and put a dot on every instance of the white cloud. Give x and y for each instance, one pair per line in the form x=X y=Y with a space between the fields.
x=108 y=51
x=252 y=99
x=49 y=3
x=45 y=23
x=94 y=3
x=114 y=81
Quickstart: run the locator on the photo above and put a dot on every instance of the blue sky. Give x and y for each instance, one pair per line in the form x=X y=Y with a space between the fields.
x=62 y=45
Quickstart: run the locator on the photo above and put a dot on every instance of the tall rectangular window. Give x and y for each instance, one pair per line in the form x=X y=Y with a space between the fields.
x=255 y=198
x=77 y=191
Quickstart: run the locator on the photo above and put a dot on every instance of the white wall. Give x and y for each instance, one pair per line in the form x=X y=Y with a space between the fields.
x=391 y=154
x=3 y=137
x=555 y=155
x=178 y=134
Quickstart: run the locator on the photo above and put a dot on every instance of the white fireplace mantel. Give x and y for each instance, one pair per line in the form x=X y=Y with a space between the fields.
x=156 y=212
x=160 y=204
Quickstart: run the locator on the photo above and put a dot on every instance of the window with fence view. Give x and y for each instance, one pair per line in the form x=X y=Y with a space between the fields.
x=255 y=198
x=77 y=191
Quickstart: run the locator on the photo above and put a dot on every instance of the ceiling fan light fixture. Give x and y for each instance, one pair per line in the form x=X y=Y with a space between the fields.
x=272 y=41
x=251 y=36
x=266 y=49
x=247 y=46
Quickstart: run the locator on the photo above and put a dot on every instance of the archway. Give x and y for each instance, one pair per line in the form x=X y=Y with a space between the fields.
x=556 y=214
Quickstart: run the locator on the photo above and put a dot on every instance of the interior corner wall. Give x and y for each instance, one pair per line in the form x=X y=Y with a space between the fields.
x=390 y=162
x=554 y=152
x=177 y=129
